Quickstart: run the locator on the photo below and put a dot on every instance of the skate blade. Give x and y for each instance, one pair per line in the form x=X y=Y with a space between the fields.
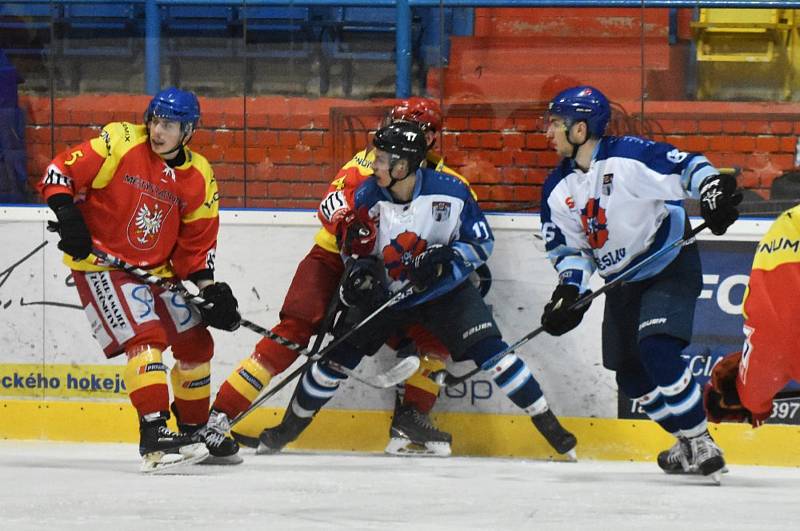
x=571 y=455
x=263 y=449
x=403 y=447
x=226 y=460
x=716 y=477
x=160 y=462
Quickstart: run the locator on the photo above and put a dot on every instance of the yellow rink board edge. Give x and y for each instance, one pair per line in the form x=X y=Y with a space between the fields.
x=367 y=431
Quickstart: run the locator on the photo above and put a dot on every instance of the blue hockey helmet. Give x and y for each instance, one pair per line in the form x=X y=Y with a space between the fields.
x=582 y=104
x=177 y=105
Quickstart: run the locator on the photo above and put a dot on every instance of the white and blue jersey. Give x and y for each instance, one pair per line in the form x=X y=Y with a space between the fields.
x=441 y=211
x=625 y=208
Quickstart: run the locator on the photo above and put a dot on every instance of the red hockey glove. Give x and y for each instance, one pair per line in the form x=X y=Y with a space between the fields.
x=356 y=234
x=721 y=397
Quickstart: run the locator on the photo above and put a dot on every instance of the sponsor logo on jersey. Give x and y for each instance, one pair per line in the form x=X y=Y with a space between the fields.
x=440 y=210
x=332 y=203
x=593 y=219
x=145 y=225
x=55 y=177
x=400 y=252
x=608 y=178
x=779 y=245
x=151 y=189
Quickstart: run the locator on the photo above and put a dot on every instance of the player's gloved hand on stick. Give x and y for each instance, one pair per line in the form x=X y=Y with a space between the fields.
x=721 y=397
x=225 y=312
x=430 y=265
x=75 y=238
x=363 y=286
x=356 y=234
x=558 y=318
x=718 y=200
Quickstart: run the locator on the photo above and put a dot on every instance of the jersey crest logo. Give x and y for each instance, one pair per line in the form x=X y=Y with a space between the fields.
x=440 y=210
x=400 y=252
x=145 y=226
x=593 y=219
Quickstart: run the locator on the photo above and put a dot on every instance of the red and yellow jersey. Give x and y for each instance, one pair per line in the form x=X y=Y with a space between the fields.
x=771 y=354
x=137 y=207
x=339 y=197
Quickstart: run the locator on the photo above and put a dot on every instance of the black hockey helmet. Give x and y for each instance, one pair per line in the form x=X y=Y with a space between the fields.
x=403 y=140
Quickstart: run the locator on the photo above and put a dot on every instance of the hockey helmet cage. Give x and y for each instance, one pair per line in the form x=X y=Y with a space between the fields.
x=582 y=104
x=177 y=105
x=404 y=140
x=424 y=111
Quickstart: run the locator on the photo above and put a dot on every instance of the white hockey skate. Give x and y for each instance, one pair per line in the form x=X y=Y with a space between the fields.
x=412 y=433
x=164 y=450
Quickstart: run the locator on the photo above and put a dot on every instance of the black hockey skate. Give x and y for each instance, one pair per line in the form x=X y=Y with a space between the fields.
x=163 y=449
x=413 y=433
x=222 y=449
x=676 y=460
x=554 y=433
x=699 y=455
x=272 y=440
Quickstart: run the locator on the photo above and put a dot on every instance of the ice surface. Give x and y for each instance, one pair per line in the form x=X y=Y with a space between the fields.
x=47 y=485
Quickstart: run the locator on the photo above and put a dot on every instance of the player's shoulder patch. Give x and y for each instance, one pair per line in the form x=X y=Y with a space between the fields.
x=116 y=138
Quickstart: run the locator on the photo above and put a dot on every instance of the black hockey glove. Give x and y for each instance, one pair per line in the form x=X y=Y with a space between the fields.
x=363 y=285
x=718 y=200
x=430 y=265
x=75 y=238
x=225 y=312
x=557 y=318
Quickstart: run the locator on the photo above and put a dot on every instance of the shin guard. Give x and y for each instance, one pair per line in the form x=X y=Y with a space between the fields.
x=191 y=386
x=145 y=378
x=242 y=387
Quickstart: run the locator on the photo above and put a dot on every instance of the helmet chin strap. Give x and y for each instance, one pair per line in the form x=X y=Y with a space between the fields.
x=575 y=146
x=392 y=180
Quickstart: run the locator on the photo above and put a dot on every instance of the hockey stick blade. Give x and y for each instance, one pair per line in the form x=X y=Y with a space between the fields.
x=395 y=375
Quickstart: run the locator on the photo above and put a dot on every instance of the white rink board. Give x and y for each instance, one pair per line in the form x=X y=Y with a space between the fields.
x=258 y=252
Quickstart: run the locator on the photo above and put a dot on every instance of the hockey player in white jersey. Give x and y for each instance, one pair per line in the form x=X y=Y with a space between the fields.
x=431 y=233
x=611 y=203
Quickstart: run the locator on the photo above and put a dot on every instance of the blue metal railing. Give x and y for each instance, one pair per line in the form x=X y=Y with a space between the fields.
x=403 y=38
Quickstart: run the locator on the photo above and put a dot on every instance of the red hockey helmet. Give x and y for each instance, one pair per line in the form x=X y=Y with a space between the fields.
x=425 y=111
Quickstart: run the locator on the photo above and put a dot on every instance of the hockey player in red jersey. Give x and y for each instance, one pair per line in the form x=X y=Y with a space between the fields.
x=743 y=384
x=139 y=193
x=311 y=290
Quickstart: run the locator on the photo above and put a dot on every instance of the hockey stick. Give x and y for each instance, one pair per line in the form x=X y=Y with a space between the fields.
x=396 y=373
x=442 y=377
x=398 y=296
x=399 y=373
